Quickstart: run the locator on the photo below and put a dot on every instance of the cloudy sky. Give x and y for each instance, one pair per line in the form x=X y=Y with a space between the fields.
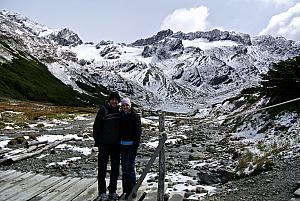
x=129 y=20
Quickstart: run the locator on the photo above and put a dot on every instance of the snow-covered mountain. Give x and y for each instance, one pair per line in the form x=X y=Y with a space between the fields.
x=178 y=72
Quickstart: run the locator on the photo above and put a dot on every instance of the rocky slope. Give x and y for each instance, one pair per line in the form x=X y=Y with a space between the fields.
x=178 y=72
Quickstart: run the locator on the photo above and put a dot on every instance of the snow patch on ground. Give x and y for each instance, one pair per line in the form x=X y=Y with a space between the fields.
x=53 y=138
x=64 y=162
x=84 y=150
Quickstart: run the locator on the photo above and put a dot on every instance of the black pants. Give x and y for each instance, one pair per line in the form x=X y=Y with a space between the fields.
x=106 y=152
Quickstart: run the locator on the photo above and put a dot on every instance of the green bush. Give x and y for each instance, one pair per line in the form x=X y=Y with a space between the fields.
x=282 y=83
x=17 y=140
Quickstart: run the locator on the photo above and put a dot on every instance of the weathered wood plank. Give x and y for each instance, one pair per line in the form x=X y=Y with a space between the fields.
x=6 y=173
x=14 y=179
x=25 y=184
x=56 y=190
x=29 y=193
x=22 y=186
x=11 y=159
x=76 y=189
x=90 y=194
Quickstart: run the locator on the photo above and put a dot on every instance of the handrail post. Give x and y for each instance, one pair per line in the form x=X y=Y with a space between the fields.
x=148 y=166
x=162 y=170
x=161 y=120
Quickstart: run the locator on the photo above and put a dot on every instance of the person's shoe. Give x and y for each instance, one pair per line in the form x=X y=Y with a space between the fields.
x=102 y=197
x=113 y=196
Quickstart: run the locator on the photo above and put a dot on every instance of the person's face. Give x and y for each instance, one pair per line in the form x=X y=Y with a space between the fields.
x=114 y=102
x=125 y=107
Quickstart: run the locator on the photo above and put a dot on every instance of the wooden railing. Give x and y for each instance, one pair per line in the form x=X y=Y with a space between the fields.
x=159 y=151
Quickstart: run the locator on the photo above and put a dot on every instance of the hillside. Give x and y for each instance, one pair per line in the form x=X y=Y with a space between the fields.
x=26 y=78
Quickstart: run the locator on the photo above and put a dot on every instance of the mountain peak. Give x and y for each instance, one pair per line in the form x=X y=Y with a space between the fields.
x=66 y=37
x=154 y=39
x=25 y=24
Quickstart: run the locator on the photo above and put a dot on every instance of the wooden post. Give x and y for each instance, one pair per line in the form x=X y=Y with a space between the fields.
x=148 y=166
x=162 y=170
x=161 y=122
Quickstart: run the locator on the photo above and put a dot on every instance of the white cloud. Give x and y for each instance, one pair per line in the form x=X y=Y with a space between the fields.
x=187 y=20
x=285 y=24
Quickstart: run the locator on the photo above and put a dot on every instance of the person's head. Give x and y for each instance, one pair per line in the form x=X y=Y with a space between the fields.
x=125 y=104
x=114 y=99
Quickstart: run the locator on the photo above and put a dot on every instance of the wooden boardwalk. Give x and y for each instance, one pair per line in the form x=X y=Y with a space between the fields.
x=21 y=186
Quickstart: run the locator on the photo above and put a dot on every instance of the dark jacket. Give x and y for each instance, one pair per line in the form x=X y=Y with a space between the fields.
x=106 y=126
x=130 y=127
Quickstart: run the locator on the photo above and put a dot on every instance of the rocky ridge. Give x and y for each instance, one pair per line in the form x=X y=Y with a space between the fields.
x=165 y=67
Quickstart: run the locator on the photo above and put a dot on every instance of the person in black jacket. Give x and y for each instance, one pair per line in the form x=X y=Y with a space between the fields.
x=130 y=134
x=107 y=139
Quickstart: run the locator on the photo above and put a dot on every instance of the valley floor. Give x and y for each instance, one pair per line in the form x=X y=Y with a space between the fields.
x=191 y=155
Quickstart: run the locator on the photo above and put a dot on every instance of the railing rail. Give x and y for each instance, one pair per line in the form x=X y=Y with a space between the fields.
x=159 y=151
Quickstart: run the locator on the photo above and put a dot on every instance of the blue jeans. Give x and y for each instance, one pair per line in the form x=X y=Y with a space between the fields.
x=128 y=154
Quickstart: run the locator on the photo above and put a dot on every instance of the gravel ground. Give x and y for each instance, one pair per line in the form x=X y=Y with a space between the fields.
x=278 y=184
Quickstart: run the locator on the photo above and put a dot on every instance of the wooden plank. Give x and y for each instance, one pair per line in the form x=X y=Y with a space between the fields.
x=25 y=154
x=56 y=189
x=5 y=173
x=32 y=191
x=53 y=190
x=90 y=194
x=27 y=183
x=11 y=176
x=14 y=179
x=71 y=193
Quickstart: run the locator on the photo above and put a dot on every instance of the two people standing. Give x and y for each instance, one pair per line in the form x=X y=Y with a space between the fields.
x=116 y=132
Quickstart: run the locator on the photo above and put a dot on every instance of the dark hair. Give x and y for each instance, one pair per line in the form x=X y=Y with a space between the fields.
x=115 y=95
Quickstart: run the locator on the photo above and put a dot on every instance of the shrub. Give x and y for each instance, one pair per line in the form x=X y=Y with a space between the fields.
x=282 y=83
x=17 y=140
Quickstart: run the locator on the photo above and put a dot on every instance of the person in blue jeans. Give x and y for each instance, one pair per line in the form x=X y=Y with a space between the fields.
x=130 y=135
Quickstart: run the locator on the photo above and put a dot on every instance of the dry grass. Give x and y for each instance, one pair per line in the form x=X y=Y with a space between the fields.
x=34 y=110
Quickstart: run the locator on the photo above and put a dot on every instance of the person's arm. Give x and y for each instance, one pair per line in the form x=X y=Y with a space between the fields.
x=97 y=126
x=138 y=129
